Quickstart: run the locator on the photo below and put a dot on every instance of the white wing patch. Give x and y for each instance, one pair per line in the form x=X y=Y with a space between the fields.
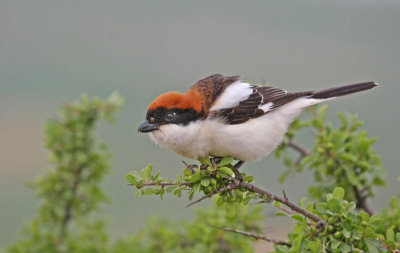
x=266 y=107
x=232 y=96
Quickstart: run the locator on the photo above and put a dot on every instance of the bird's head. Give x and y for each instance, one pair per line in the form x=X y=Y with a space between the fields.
x=173 y=108
x=183 y=108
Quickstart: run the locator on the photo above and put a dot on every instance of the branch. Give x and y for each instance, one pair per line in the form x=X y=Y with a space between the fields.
x=76 y=181
x=361 y=196
x=216 y=191
x=256 y=236
x=283 y=209
x=285 y=201
x=236 y=170
x=303 y=151
x=362 y=201
x=235 y=184
x=68 y=207
x=164 y=184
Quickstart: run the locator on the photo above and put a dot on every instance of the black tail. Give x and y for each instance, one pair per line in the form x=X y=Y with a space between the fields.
x=344 y=90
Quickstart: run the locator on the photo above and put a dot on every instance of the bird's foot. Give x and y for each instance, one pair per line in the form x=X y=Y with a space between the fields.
x=216 y=160
x=236 y=167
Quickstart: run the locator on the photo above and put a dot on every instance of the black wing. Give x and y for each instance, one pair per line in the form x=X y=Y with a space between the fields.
x=250 y=107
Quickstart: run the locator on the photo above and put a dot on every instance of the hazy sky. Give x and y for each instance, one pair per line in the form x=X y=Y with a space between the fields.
x=52 y=51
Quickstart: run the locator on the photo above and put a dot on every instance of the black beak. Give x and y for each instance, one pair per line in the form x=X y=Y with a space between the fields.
x=146 y=127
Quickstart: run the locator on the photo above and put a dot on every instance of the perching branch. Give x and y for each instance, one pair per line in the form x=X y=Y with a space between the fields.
x=285 y=201
x=235 y=184
x=256 y=236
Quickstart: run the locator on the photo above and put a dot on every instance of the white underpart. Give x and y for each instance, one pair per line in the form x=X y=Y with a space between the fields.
x=233 y=95
x=248 y=141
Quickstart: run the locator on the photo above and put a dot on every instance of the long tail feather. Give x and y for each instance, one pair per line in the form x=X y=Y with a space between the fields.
x=344 y=90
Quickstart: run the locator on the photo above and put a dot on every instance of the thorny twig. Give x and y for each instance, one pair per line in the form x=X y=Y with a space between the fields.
x=256 y=236
x=235 y=184
x=396 y=250
x=216 y=191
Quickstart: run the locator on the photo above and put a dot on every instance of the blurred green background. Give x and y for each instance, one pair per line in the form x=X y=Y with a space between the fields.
x=52 y=51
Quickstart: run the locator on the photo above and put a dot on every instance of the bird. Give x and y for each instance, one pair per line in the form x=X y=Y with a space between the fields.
x=222 y=116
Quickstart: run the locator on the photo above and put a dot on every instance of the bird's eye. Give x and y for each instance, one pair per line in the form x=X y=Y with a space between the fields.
x=170 y=116
x=152 y=120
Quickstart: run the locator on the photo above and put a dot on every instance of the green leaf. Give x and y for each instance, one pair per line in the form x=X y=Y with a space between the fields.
x=227 y=171
x=310 y=206
x=149 y=168
x=248 y=179
x=211 y=168
x=343 y=121
x=364 y=215
x=351 y=175
x=178 y=192
x=148 y=191
x=230 y=212
x=195 y=178
x=338 y=193
x=171 y=188
x=394 y=203
x=371 y=244
x=281 y=213
x=196 y=188
x=226 y=161
x=187 y=172
x=348 y=157
x=281 y=249
x=334 y=205
x=351 y=206
x=220 y=201
x=356 y=235
x=314 y=246
x=335 y=244
x=191 y=194
x=321 y=207
x=297 y=243
x=205 y=160
x=298 y=217
x=146 y=172
x=136 y=174
x=322 y=110
x=205 y=182
x=390 y=235
x=344 y=247
x=302 y=201
x=131 y=179
x=346 y=233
